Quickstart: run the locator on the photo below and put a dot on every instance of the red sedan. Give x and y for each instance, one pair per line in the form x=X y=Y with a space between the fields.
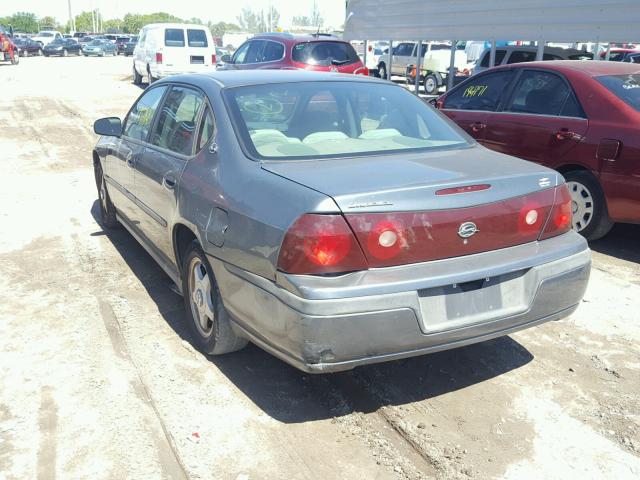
x=580 y=118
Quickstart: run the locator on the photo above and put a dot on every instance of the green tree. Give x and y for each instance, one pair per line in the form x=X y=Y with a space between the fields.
x=23 y=22
x=220 y=28
x=84 y=22
x=49 y=22
x=316 y=17
x=251 y=21
x=301 y=21
x=113 y=25
x=275 y=18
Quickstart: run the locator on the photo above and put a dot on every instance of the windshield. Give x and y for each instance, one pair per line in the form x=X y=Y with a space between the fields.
x=96 y=43
x=324 y=53
x=625 y=87
x=335 y=119
x=45 y=34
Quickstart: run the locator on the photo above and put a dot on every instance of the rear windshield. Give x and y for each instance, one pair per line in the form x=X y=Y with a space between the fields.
x=625 y=87
x=197 y=38
x=335 y=119
x=45 y=34
x=325 y=53
x=174 y=37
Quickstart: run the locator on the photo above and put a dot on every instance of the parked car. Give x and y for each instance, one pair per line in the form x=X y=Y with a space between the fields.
x=27 y=46
x=47 y=36
x=120 y=43
x=621 y=55
x=170 y=48
x=8 y=49
x=580 y=118
x=100 y=48
x=434 y=69
x=62 y=47
x=335 y=220
x=323 y=53
x=517 y=54
x=130 y=46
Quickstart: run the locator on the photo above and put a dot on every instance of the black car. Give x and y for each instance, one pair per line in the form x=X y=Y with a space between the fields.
x=130 y=46
x=120 y=43
x=27 y=46
x=62 y=47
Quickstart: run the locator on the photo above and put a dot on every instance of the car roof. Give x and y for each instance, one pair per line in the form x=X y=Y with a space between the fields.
x=173 y=25
x=527 y=48
x=297 y=38
x=592 y=68
x=237 y=78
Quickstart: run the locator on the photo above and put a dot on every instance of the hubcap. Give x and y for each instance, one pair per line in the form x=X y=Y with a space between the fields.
x=581 y=205
x=430 y=85
x=200 y=297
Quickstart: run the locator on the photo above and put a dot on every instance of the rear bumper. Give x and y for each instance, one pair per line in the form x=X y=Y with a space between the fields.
x=331 y=324
x=162 y=71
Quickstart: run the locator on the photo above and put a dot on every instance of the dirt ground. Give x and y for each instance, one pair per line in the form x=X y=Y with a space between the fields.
x=98 y=378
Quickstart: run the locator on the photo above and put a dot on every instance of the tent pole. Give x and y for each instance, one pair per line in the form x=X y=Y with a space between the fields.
x=364 y=57
x=418 y=66
x=492 y=54
x=390 y=62
x=540 y=52
x=596 y=51
x=607 y=56
x=452 y=65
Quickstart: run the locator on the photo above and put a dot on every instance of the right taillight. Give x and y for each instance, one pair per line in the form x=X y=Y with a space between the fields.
x=559 y=220
x=320 y=244
x=158 y=57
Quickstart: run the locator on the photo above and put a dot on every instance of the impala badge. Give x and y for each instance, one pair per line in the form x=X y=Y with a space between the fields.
x=467 y=229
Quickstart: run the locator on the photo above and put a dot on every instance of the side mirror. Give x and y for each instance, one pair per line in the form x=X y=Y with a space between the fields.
x=225 y=58
x=109 y=127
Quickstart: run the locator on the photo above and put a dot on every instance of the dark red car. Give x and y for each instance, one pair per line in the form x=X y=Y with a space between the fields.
x=323 y=53
x=580 y=118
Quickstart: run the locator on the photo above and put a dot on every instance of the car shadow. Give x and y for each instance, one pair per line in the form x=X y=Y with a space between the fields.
x=621 y=242
x=291 y=396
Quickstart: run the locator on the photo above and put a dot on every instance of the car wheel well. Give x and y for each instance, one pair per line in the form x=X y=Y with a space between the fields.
x=182 y=238
x=570 y=168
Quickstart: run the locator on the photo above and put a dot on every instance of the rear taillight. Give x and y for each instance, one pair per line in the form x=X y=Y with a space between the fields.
x=559 y=220
x=361 y=71
x=213 y=59
x=158 y=57
x=320 y=244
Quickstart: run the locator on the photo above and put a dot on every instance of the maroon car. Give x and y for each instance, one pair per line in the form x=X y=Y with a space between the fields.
x=580 y=118
x=284 y=51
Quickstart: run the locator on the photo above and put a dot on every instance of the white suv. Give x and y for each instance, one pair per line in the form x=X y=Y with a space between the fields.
x=165 y=49
x=47 y=36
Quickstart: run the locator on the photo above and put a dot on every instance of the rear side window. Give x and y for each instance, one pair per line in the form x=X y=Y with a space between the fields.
x=206 y=128
x=487 y=56
x=197 y=38
x=543 y=93
x=324 y=53
x=176 y=126
x=174 y=37
x=625 y=87
x=520 y=57
x=272 y=52
x=139 y=119
x=481 y=93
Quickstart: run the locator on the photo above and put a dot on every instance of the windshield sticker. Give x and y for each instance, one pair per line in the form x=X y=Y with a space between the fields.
x=475 y=91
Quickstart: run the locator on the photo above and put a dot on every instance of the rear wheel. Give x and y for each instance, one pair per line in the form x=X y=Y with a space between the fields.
x=25 y=53
x=65 y=52
x=39 y=52
x=589 y=206
x=15 y=59
x=208 y=320
x=137 y=78
x=382 y=71
x=430 y=84
x=150 y=77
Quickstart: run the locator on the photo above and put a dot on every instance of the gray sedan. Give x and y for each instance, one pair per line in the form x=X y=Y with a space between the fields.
x=335 y=220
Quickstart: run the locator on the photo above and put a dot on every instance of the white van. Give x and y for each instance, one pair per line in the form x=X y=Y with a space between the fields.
x=165 y=49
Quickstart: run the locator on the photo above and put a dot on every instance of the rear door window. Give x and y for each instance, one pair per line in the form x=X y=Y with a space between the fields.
x=197 y=38
x=483 y=92
x=254 y=53
x=272 y=52
x=139 y=120
x=520 y=57
x=487 y=56
x=541 y=93
x=176 y=125
x=174 y=37
x=206 y=128
x=325 y=53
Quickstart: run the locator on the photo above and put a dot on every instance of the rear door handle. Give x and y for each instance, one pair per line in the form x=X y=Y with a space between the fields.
x=477 y=126
x=169 y=181
x=565 y=133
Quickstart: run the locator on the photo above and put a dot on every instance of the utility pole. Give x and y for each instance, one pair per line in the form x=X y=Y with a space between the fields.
x=72 y=26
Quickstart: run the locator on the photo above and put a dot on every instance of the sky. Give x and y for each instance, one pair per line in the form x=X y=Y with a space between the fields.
x=333 y=11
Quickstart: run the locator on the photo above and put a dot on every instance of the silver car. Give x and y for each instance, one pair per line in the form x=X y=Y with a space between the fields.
x=335 y=220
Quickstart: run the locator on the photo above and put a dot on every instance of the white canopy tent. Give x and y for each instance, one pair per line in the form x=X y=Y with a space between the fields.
x=565 y=21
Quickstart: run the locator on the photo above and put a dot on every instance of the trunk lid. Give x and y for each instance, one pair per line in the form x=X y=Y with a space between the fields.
x=409 y=182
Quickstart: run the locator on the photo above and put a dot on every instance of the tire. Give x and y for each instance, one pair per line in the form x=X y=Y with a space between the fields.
x=150 y=77
x=65 y=53
x=46 y=54
x=202 y=300
x=382 y=71
x=16 y=58
x=39 y=52
x=107 y=210
x=430 y=84
x=137 y=78
x=25 y=53
x=589 y=206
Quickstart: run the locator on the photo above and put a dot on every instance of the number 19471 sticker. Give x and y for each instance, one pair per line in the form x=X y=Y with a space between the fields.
x=475 y=91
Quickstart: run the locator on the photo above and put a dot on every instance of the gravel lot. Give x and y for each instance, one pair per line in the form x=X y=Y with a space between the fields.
x=99 y=379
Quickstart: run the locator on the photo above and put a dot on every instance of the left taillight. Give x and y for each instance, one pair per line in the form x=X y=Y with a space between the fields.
x=320 y=244
x=559 y=220
x=158 y=57
x=213 y=59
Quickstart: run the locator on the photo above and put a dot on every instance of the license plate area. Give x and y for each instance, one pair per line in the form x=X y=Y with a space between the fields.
x=197 y=60
x=454 y=306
